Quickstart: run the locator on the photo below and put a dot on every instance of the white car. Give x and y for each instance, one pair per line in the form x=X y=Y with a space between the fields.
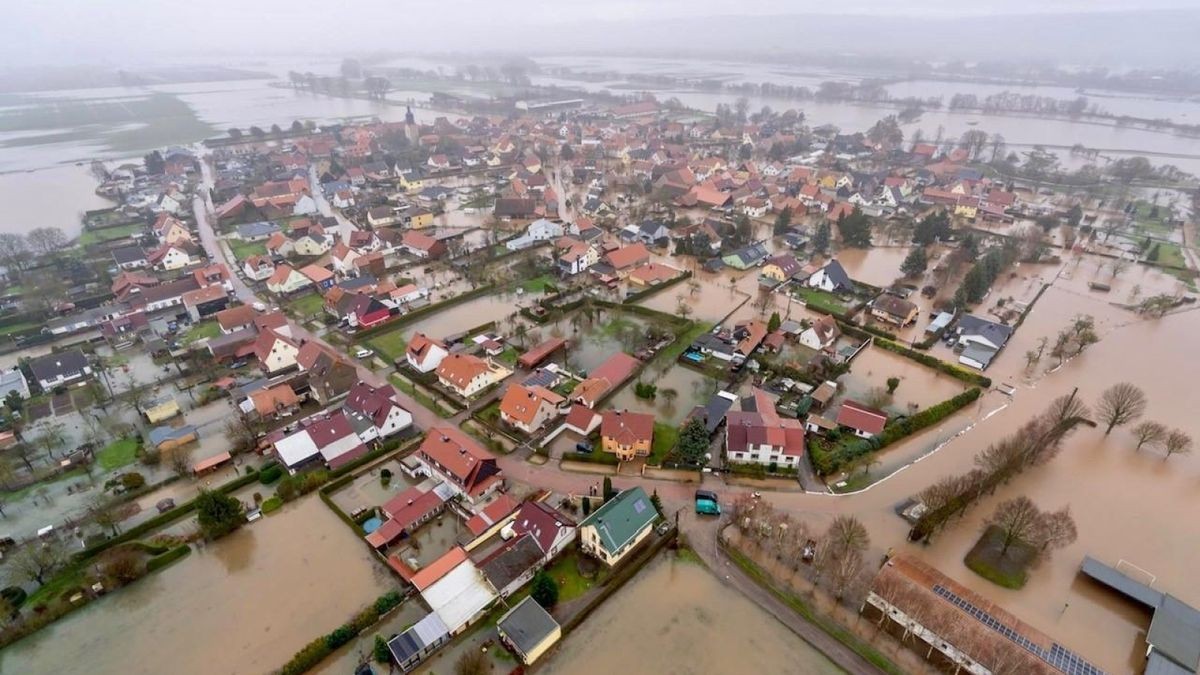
x=363 y=354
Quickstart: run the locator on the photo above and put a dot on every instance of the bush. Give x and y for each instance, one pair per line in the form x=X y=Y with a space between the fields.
x=161 y=561
x=132 y=480
x=270 y=474
x=340 y=636
x=381 y=652
x=15 y=595
x=300 y=484
x=387 y=602
x=545 y=590
x=312 y=654
x=594 y=457
x=272 y=504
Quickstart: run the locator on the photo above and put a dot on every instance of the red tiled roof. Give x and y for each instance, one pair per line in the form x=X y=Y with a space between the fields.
x=491 y=514
x=539 y=353
x=862 y=418
x=627 y=428
x=439 y=568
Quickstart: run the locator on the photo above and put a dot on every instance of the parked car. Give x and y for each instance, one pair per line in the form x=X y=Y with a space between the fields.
x=583 y=446
x=363 y=353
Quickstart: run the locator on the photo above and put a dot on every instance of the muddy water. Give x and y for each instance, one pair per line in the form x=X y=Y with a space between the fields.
x=676 y=617
x=1126 y=504
x=876 y=266
x=466 y=316
x=54 y=197
x=243 y=605
x=920 y=387
x=691 y=389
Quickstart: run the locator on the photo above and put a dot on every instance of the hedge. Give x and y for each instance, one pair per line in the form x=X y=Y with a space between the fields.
x=316 y=651
x=595 y=457
x=271 y=504
x=651 y=290
x=163 y=559
x=827 y=461
x=270 y=474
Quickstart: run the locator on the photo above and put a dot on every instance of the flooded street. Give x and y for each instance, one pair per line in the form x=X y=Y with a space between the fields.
x=242 y=605
x=676 y=617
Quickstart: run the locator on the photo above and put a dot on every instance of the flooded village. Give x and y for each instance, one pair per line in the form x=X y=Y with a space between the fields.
x=448 y=374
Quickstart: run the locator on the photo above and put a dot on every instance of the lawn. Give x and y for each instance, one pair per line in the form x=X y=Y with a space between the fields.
x=665 y=438
x=1170 y=255
x=392 y=344
x=206 y=329
x=90 y=237
x=538 y=284
x=420 y=397
x=1008 y=569
x=245 y=249
x=683 y=340
x=509 y=356
x=820 y=300
x=307 y=305
x=18 y=327
x=571 y=583
x=117 y=454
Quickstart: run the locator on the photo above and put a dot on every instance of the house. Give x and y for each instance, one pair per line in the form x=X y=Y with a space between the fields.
x=129 y=257
x=625 y=259
x=60 y=368
x=614 y=529
x=604 y=378
x=276 y=353
x=757 y=434
x=330 y=440
x=235 y=319
x=169 y=257
x=13 y=381
x=455 y=589
x=577 y=257
x=162 y=409
x=320 y=277
x=364 y=311
x=832 y=278
x=822 y=334
x=780 y=268
x=507 y=208
x=529 y=408
x=652 y=274
x=746 y=257
x=258 y=231
x=375 y=412
x=652 y=233
x=980 y=340
x=528 y=630
x=204 y=302
x=424 y=354
x=467 y=375
x=312 y=244
x=274 y=402
x=539 y=230
x=258 y=267
x=213 y=275
x=286 y=280
x=891 y=309
x=626 y=434
x=864 y=421
x=329 y=376
x=422 y=245
x=511 y=565
x=469 y=469
x=423 y=638
x=406 y=512
x=171 y=230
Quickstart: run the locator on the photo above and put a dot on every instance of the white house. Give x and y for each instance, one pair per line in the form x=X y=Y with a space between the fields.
x=821 y=334
x=424 y=354
x=832 y=277
x=305 y=206
x=13 y=381
x=538 y=230
x=374 y=412
x=275 y=352
x=286 y=279
x=258 y=267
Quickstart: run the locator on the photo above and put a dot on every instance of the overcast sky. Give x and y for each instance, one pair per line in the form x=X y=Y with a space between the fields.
x=114 y=31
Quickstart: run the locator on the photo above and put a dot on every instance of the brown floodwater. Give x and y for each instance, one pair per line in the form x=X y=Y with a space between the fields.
x=920 y=387
x=1127 y=505
x=468 y=315
x=242 y=605
x=676 y=617
x=878 y=266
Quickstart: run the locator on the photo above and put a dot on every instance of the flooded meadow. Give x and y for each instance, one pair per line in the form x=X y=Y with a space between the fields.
x=676 y=617
x=244 y=604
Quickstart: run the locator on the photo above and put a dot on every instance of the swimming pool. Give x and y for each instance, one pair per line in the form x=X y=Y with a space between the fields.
x=372 y=524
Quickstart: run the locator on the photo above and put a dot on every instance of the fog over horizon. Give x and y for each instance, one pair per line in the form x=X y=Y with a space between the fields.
x=124 y=33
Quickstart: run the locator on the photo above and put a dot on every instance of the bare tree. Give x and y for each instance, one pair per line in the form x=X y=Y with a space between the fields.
x=180 y=461
x=473 y=662
x=37 y=559
x=1120 y=404
x=1150 y=433
x=1177 y=443
x=103 y=512
x=1057 y=529
x=1018 y=520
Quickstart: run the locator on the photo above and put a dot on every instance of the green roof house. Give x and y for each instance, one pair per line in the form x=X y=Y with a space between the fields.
x=616 y=528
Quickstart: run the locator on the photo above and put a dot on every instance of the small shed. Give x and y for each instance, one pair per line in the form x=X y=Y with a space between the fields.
x=211 y=464
x=529 y=630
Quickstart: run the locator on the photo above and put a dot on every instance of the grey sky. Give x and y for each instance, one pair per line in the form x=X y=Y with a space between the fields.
x=113 y=31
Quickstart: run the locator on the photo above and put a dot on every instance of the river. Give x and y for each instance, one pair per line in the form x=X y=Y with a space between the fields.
x=242 y=605
x=676 y=617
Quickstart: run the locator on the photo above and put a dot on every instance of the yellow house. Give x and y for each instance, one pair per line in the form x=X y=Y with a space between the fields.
x=626 y=434
x=967 y=209
x=617 y=527
x=162 y=409
x=420 y=218
x=411 y=183
x=780 y=268
x=529 y=630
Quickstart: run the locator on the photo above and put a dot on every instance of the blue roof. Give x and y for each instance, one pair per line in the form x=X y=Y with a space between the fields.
x=258 y=229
